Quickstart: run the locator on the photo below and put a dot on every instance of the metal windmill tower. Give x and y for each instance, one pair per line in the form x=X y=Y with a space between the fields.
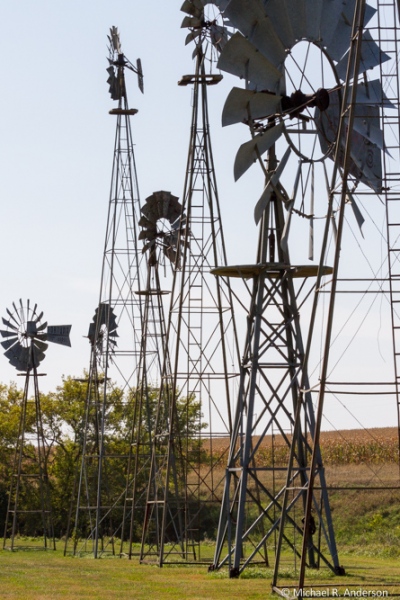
x=315 y=124
x=201 y=343
x=162 y=222
x=29 y=496
x=115 y=332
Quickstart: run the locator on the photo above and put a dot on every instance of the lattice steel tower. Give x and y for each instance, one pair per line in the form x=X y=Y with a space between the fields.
x=114 y=334
x=201 y=344
x=320 y=130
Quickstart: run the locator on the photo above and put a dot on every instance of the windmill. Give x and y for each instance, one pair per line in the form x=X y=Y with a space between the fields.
x=198 y=358
x=163 y=222
x=26 y=336
x=313 y=116
x=115 y=332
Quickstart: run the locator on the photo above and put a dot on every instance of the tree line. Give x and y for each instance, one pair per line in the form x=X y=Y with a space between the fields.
x=65 y=421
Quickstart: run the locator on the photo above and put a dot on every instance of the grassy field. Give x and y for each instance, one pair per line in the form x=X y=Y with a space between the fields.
x=39 y=575
x=367 y=529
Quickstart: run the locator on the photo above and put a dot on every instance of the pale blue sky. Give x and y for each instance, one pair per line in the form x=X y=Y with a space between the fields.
x=56 y=157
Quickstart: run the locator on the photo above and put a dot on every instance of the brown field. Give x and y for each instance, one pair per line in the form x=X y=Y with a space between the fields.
x=356 y=446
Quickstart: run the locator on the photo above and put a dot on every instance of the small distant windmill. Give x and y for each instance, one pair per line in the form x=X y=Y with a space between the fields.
x=25 y=345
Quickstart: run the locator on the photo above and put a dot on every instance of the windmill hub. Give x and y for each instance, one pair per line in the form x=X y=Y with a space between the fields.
x=298 y=102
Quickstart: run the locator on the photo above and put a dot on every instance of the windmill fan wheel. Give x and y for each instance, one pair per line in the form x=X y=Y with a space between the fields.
x=25 y=336
x=160 y=209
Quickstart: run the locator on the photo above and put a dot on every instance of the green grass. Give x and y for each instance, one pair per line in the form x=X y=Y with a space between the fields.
x=38 y=575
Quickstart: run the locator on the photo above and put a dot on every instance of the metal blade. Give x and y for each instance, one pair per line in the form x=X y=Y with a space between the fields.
x=40 y=345
x=240 y=58
x=249 y=17
x=115 y=39
x=279 y=12
x=42 y=327
x=39 y=318
x=192 y=36
x=8 y=324
x=367 y=123
x=243 y=105
x=340 y=41
x=139 y=70
x=11 y=315
x=372 y=93
x=19 y=357
x=194 y=22
x=8 y=343
x=16 y=313
x=266 y=195
x=371 y=56
x=368 y=161
x=250 y=151
x=8 y=334
x=331 y=16
x=34 y=311
x=193 y=7
x=38 y=356
x=285 y=233
x=357 y=213
x=41 y=336
x=22 y=311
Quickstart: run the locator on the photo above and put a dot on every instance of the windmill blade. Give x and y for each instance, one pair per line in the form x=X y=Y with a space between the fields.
x=114 y=86
x=357 y=212
x=34 y=311
x=139 y=70
x=242 y=105
x=38 y=356
x=266 y=195
x=42 y=327
x=371 y=56
x=41 y=336
x=39 y=318
x=249 y=17
x=279 y=11
x=372 y=93
x=9 y=334
x=42 y=346
x=337 y=41
x=10 y=325
x=194 y=22
x=22 y=311
x=11 y=315
x=284 y=242
x=249 y=152
x=19 y=357
x=305 y=19
x=116 y=43
x=367 y=159
x=192 y=36
x=9 y=343
x=242 y=59
x=193 y=7
x=366 y=123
